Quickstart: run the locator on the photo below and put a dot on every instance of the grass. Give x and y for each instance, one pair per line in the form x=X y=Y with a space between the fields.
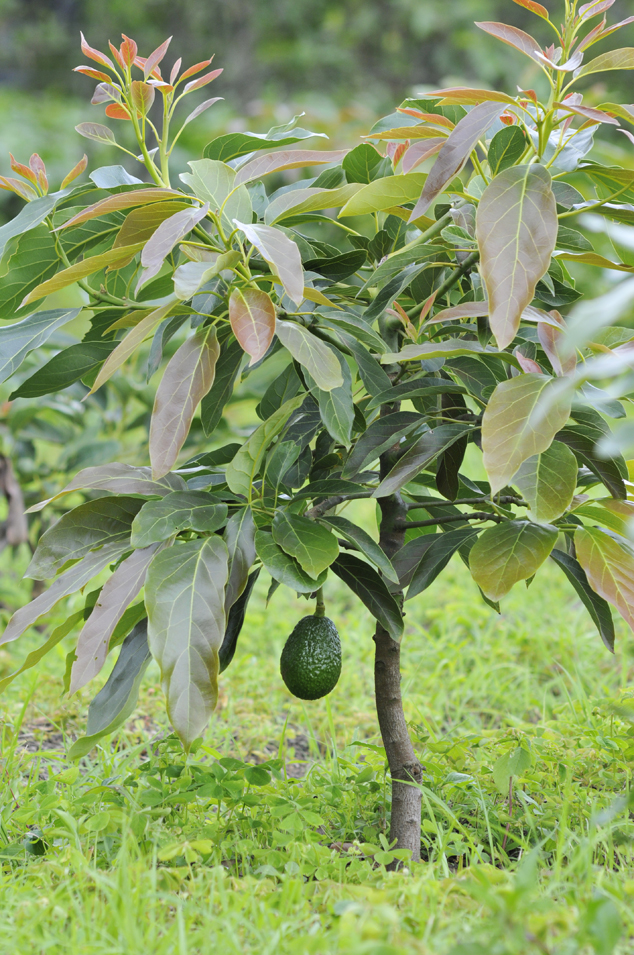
x=271 y=837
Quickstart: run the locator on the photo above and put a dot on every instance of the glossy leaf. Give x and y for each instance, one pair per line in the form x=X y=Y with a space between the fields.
x=609 y=567
x=312 y=546
x=184 y=596
x=516 y=38
x=366 y=544
x=583 y=442
x=506 y=148
x=240 y=540
x=547 y=482
x=366 y=584
x=597 y=607
x=235 y=621
x=428 y=447
x=611 y=60
x=449 y=348
x=382 y=434
x=112 y=258
x=17 y=340
x=437 y=554
x=130 y=343
x=360 y=164
x=455 y=153
x=288 y=159
x=123 y=200
x=140 y=224
x=232 y=145
x=282 y=255
x=318 y=358
x=165 y=237
x=509 y=552
x=384 y=194
x=252 y=317
x=214 y=183
x=177 y=511
x=336 y=407
x=116 y=594
x=66 y=367
x=227 y=369
x=284 y=568
x=187 y=378
x=242 y=470
x=516 y=229
x=519 y=422
x=303 y=201
x=31 y=260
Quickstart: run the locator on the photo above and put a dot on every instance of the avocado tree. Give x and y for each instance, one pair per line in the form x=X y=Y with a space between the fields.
x=429 y=331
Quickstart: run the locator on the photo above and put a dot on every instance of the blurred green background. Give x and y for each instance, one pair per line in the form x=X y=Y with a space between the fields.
x=344 y=62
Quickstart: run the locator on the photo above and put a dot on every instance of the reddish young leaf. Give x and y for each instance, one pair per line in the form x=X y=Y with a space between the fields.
x=550 y=338
x=117 y=55
x=434 y=119
x=195 y=113
x=175 y=69
x=527 y=364
x=38 y=167
x=124 y=200
x=142 y=95
x=455 y=152
x=589 y=113
x=592 y=36
x=252 y=317
x=128 y=50
x=616 y=26
x=169 y=232
x=418 y=152
x=201 y=81
x=533 y=7
x=95 y=74
x=115 y=111
x=105 y=93
x=281 y=253
x=286 y=159
x=75 y=171
x=465 y=95
x=593 y=9
x=25 y=171
x=466 y=310
x=155 y=58
x=523 y=42
x=395 y=151
x=20 y=188
x=196 y=68
x=95 y=55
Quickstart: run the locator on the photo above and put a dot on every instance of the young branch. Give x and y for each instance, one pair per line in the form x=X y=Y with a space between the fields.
x=451 y=519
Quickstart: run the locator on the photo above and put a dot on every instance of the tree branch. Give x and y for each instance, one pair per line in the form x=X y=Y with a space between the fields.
x=331 y=502
x=506 y=499
x=451 y=519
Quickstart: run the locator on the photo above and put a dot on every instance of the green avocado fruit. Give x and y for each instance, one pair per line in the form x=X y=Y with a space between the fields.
x=311 y=659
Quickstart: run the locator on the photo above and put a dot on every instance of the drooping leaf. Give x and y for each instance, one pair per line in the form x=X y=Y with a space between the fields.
x=582 y=441
x=242 y=470
x=106 y=520
x=428 y=447
x=34 y=657
x=116 y=701
x=547 y=482
x=455 y=153
x=516 y=229
x=312 y=546
x=515 y=426
x=284 y=568
x=336 y=407
x=227 y=368
x=382 y=434
x=115 y=596
x=509 y=552
x=184 y=596
x=282 y=255
x=165 y=237
x=287 y=159
x=366 y=544
x=385 y=194
x=240 y=540
x=597 y=607
x=17 y=340
x=252 y=317
x=609 y=567
x=188 y=377
x=235 y=621
x=516 y=38
x=114 y=257
x=67 y=583
x=437 y=555
x=364 y=581
x=318 y=358
x=67 y=367
x=179 y=510
x=120 y=479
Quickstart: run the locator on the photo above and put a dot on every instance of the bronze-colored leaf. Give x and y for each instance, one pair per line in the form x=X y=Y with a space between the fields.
x=141 y=223
x=281 y=253
x=163 y=240
x=518 y=39
x=123 y=200
x=516 y=229
x=252 y=317
x=609 y=567
x=287 y=159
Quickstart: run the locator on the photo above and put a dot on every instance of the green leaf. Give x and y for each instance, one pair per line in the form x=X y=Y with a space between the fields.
x=188 y=377
x=214 y=182
x=515 y=425
x=428 y=447
x=184 y=596
x=378 y=437
x=318 y=358
x=353 y=325
x=235 y=621
x=304 y=201
x=609 y=567
x=32 y=259
x=512 y=763
x=509 y=552
x=593 y=258
x=506 y=148
x=165 y=237
x=360 y=165
x=312 y=546
x=336 y=407
x=120 y=479
x=240 y=540
x=364 y=581
x=177 y=511
x=571 y=239
x=392 y=290
x=415 y=387
x=116 y=701
x=611 y=60
x=65 y=368
x=597 y=607
x=372 y=375
x=105 y=520
x=582 y=440
x=328 y=487
x=113 y=258
x=449 y=348
x=227 y=368
x=231 y=145
x=281 y=253
x=284 y=386
x=29 y=217
x=123 y=200
x=437 y=555
x=141 y=224
x=116 y=594
x=283 y=568
x=17 y=340
x=547 y=482
x=385 y=194
x=242 y=471
x=368 y=547
x=35 y=656
x=516 y=229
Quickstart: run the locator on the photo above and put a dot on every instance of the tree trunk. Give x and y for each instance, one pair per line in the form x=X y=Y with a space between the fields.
x=405 y=768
